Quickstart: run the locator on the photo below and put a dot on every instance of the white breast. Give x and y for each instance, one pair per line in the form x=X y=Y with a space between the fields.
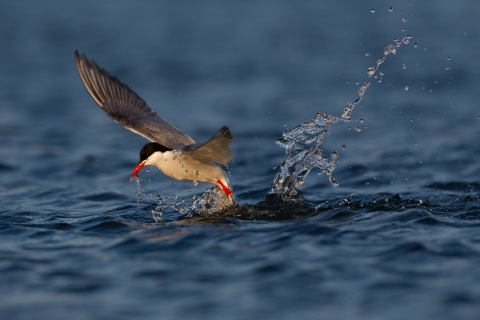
x=175 y=166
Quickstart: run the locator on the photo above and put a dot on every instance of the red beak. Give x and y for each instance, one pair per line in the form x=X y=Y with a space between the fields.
x=137 y=169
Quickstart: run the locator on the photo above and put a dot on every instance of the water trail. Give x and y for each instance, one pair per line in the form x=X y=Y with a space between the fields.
x=304 y=143
x=212 y=200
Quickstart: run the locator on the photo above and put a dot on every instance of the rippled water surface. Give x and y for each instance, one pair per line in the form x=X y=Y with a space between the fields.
x=398 y=238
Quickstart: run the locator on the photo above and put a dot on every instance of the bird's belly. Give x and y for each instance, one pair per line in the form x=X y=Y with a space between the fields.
x=191 y=170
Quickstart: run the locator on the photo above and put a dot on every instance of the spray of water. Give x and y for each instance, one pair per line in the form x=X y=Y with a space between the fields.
x=304 y=143
x=212 y=200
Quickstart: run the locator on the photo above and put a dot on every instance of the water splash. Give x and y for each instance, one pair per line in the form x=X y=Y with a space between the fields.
x=211 y=201
x=304 y=143
x=304 y=151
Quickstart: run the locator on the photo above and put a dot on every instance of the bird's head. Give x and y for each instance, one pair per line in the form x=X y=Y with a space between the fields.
x=146 y=156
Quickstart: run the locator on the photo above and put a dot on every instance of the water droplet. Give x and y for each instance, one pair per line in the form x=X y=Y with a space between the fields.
x=367 y=54
x=406 y=88
x=404 y=20
x=404 y=66
x=448 y=58
x=361 y=120
x=389 y=49
x=344 y=147
x=371 y=71
x=358 y=129
x=415 y=45
x=420 y=161
x=195 y=183
x=357 y=83
x=372 y=11
x=334 y=181
x=148 y=170
x=390 y=9
x=274 y=168
x=382 y=74
x=189 y=190
x=347 y=110
x=447 y=68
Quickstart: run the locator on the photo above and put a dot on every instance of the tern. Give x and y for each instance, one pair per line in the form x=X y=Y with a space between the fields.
x=170 y=150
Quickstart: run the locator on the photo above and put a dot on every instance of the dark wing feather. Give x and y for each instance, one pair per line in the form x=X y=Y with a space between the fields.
x=217 y=149
x=124 y=106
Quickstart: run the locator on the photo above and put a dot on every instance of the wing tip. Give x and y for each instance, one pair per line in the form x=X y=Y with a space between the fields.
x=79 y=56
x=225 y=132
x=227 y=137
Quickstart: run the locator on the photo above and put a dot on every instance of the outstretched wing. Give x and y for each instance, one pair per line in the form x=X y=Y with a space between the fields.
x=124 y=106
x=217 y=149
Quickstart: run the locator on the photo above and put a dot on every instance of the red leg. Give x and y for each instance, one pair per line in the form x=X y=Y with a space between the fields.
x=225 y=188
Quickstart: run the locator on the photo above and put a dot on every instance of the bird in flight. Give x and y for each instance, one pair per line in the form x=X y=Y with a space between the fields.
x=170 y=150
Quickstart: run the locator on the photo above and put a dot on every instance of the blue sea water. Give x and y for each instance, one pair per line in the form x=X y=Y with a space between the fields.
x=398 y=238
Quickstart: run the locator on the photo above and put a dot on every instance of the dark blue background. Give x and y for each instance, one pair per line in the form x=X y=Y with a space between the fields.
x=76 y=242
